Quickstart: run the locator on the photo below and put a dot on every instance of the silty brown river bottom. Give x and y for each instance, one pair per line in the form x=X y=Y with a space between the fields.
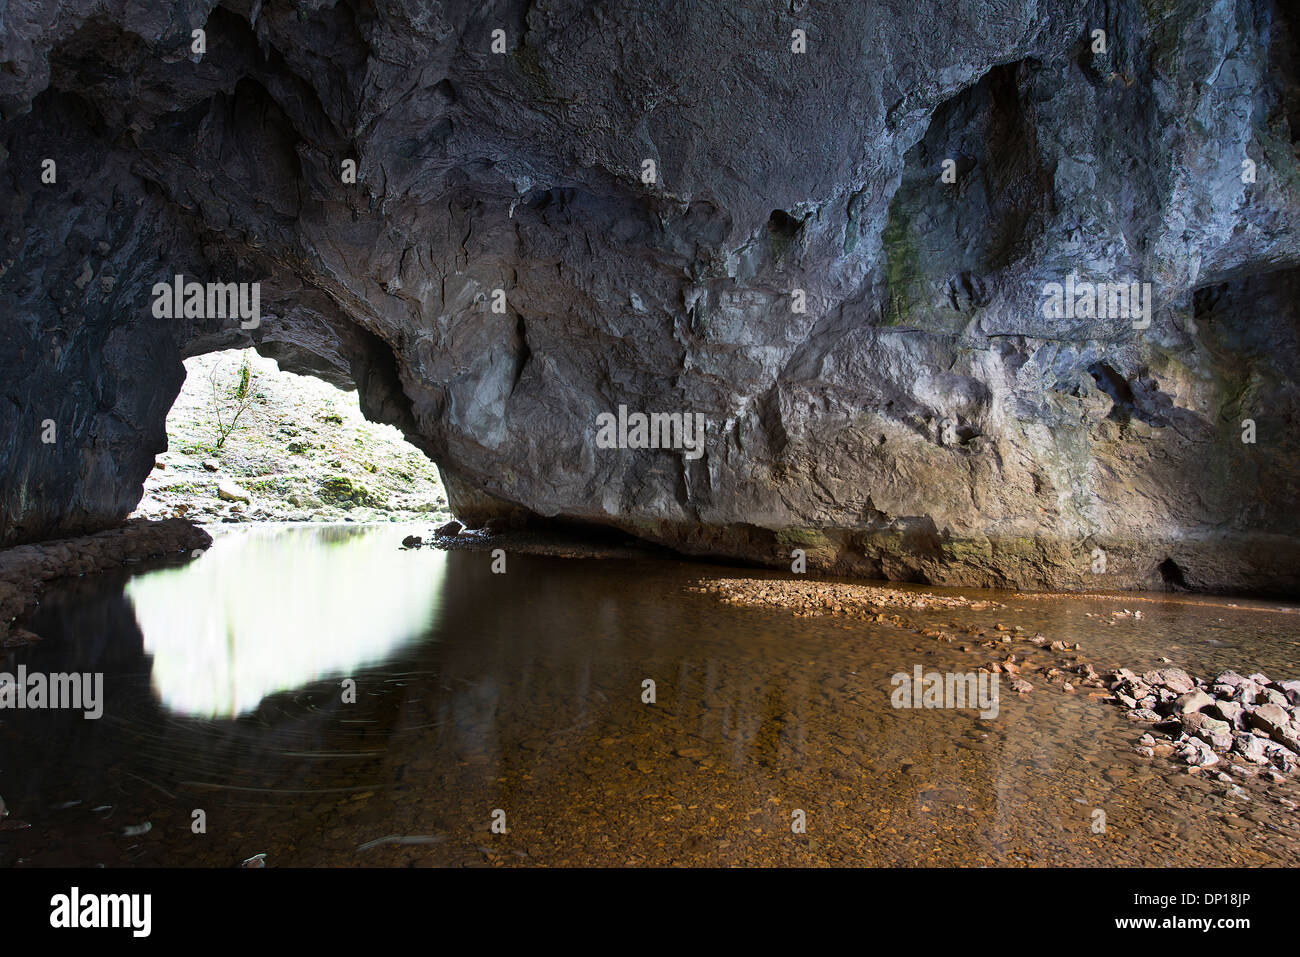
x=518 y=697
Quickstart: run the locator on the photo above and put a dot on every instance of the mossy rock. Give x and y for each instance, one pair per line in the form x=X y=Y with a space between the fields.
x=902 y=268
x=968 y=550
x=341 y=491
x=275 y=486
x=337 y=488
x=803 y=537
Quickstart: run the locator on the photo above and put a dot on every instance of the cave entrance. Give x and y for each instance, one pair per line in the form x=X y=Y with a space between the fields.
x=247 y=441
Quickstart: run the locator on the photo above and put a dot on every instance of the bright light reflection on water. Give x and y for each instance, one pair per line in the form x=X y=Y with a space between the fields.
x=271 y=609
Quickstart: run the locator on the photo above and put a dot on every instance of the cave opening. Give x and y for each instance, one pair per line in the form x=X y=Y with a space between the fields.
x=783 y=226
x=1171 y=574
x=248 y=441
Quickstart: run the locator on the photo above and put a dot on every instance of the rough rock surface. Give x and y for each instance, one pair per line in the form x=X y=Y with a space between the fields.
x=922 y=419
x=26 y=568
x=1201 y=738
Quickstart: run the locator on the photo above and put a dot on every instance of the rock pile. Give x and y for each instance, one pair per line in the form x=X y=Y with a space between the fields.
x=811 y=598
x=1242 y=726
x=1251 y=723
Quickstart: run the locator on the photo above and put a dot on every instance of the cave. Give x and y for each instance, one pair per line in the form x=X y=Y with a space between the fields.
x=824 y=232
x=1171 y=574
x=461 y=268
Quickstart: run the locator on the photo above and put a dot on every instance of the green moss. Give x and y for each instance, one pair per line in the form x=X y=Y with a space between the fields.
x=802 y=537
x=185 y=486
x=968 y=550
x=341 y=491
x=336 y=487
x=884 y=540
x=902 y=269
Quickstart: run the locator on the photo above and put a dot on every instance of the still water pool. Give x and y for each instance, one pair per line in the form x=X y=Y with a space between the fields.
x=324 y=697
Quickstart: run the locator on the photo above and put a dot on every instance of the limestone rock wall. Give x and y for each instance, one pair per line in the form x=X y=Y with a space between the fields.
x=921 y=418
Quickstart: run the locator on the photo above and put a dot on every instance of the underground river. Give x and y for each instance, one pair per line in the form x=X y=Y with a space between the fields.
x=322 y=696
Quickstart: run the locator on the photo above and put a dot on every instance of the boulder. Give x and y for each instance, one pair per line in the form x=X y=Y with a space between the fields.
x=1292 y=691
x=1229 y=711
x=1216 y=733
x=1247 y=693
x=1272 y=719
x=1175 y=679
x=1251 y=748
x=230 y=492
x=1188 y=703
x=1229 y=678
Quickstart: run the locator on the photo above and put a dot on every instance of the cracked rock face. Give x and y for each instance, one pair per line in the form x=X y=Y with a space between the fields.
x=841 y=257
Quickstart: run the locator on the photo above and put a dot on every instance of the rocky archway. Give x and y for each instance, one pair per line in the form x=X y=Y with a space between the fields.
x=920 y=418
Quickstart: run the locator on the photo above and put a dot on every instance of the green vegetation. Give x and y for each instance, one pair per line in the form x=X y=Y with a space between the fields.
x=230 y=400
x=901 y=263
x=299 y=446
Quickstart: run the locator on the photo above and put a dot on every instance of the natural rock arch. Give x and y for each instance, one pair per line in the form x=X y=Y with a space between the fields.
x=921 y=419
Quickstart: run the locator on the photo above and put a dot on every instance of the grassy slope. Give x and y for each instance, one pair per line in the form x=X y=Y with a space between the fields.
x=302 y=450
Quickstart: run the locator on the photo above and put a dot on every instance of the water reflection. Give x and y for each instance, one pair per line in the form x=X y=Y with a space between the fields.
x=272 y=609
x=525 y=692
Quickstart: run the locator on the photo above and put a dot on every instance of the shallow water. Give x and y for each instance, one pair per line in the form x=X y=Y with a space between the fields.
x=522 y=693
